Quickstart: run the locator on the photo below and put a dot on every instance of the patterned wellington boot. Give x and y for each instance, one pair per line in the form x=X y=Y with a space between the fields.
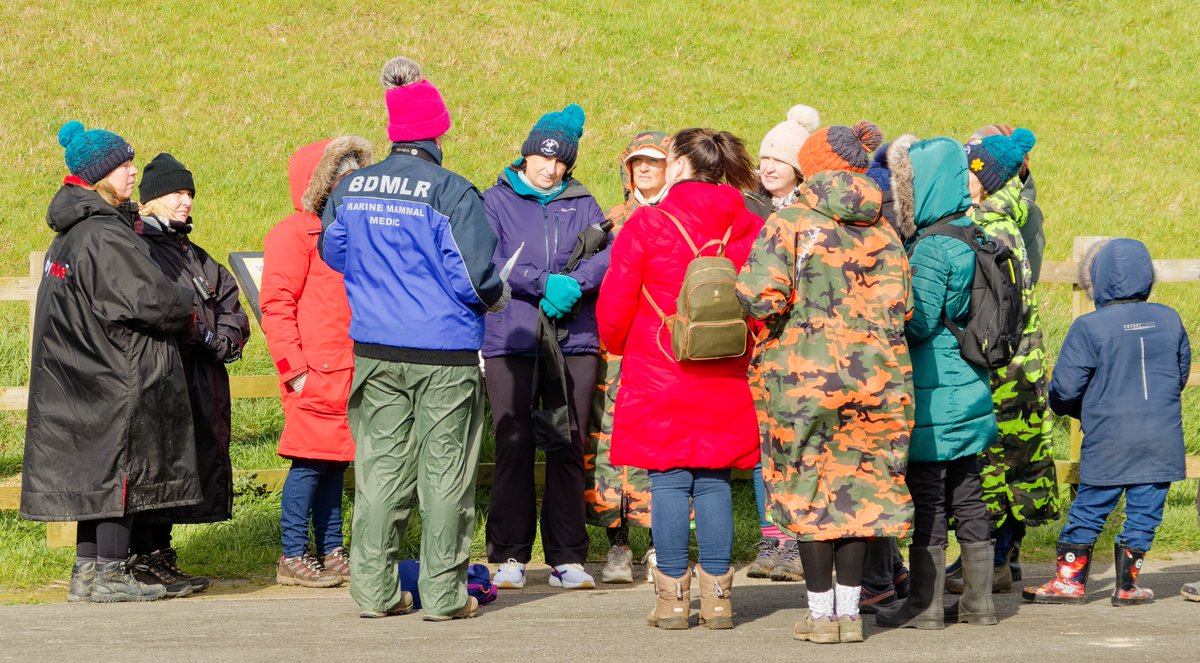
x=1069 y=585
x=1129 y=565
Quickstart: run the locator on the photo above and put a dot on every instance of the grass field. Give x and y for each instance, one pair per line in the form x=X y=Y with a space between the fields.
x=232 y=88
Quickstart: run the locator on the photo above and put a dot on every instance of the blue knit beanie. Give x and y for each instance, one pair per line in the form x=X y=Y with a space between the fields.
x=997 y=159
x=879 y=168
x=556 y=135
x=92 y=155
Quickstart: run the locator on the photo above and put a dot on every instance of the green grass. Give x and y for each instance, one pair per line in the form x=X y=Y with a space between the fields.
x=231 y=88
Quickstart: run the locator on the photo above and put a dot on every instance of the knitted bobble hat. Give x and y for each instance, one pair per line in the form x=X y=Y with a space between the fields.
x=840 y=148
x=92 y=155
x=996 y=159
x=783 y=142
x=556 y=135
x=416 y=110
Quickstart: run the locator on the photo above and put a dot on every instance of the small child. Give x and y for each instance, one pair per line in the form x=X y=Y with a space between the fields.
x=1120 y=372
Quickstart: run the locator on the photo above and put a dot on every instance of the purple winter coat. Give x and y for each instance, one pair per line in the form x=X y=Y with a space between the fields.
x=549 y=233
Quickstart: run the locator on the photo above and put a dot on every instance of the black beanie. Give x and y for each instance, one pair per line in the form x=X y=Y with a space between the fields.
x=164 y=174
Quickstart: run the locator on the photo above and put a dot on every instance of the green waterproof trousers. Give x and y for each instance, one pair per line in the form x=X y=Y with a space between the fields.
x=417 y=428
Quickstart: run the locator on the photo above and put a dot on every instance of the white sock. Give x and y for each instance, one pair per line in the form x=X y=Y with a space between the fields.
x=847 y=600
x=820 y=604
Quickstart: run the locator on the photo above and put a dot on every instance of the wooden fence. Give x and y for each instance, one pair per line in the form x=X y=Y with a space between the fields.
x=267 y=386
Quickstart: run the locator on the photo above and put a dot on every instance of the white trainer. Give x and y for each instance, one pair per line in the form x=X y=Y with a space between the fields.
x=509 y=575
x=619 y=568
x=571 y=576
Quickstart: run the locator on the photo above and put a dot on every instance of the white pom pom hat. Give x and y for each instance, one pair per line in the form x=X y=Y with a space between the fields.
x=783 y=142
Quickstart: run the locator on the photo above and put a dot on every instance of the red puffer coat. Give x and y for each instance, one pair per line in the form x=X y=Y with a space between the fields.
x=306 y=317
x=671 y=414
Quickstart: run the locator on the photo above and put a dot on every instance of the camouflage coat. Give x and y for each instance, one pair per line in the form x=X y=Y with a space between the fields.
x=1018 y=470
x=616 y=494
x=830 y=279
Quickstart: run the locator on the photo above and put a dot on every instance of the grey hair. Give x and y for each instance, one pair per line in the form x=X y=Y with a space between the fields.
x=400 y=71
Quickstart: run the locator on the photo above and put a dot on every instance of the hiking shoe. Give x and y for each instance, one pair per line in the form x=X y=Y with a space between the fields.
x=768 y=557
x=824 y=630
x=650 y=561
x=338 y=561
x=116 y=584
x=146 y=571
x=83 y=576
x=619 y=569
x=509 y=575
x=305 y=571
x=403 y=607
x=466 y=612
x=571 y=576
x=788 y=568
x=166 y=560
x=850 y=628
x=1191 y=591
x=871 y=599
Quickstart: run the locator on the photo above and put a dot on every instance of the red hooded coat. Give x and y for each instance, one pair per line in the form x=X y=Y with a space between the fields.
x=306 y=317
x=671 y=414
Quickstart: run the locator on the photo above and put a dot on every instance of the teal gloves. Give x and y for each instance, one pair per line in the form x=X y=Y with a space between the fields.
x=562 y=293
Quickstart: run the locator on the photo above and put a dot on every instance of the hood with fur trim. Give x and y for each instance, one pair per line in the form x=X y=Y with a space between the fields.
x=1117 y=270
x=313 y=170
x=935 y=188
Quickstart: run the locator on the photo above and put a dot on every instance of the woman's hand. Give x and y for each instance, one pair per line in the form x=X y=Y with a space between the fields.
x=562 y=292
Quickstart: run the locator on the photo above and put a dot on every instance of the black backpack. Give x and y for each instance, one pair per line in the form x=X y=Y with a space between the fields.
x=995 y=321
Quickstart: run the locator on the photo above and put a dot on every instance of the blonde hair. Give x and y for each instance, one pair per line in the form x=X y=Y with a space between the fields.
x=157 y=208
x=107 y=192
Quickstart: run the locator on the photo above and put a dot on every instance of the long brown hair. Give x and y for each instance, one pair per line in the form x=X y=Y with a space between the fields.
x=716 y=156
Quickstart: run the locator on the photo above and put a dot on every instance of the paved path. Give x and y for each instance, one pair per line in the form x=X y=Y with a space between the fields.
x=255 y=623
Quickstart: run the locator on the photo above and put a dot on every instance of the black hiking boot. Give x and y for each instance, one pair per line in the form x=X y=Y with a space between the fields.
x=83 y=576
x=148 y=572
x=116 y=584
x=166 y=562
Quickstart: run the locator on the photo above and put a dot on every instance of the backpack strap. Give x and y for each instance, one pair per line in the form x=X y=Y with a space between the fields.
x=969 y=235
x=686 y=237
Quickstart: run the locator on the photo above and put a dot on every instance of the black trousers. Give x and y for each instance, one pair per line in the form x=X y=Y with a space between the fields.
x=947 y=488
x=882 y=561
x=514 y=390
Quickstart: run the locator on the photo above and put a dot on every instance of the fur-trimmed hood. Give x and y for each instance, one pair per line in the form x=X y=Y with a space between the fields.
x=1117 y=270
x=932 y=189
x=314 y=169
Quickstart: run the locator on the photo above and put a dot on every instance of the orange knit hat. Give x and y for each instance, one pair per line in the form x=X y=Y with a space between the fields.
x=840 y=148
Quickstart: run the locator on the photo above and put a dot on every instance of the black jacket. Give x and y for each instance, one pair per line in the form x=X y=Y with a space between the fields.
x=109 y=431
x=220 y=333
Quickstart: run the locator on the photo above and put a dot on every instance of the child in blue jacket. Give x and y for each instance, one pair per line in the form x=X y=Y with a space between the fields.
x=1120 y=372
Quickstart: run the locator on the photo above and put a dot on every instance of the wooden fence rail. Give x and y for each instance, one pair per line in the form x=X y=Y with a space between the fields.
x=24 y=289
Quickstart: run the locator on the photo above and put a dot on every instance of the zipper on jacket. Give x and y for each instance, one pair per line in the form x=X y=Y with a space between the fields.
x=1145 y=386
x=546 y=226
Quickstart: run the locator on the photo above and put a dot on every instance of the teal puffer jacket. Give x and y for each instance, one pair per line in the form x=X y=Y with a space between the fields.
x=954 y=415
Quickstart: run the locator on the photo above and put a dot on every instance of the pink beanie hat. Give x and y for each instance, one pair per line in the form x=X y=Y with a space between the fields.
x=416 y=112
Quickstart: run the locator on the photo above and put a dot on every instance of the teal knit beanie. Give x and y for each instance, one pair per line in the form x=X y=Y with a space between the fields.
x=997 y=159
x=556 y=135
x=92 y=155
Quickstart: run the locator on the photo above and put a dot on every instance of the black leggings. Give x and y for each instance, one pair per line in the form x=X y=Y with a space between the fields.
x=820 y=557
x=149 y=537
x=105 y=540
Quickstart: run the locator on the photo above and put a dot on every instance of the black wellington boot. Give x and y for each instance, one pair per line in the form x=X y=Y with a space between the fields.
x=923 y=608
x=975 y=606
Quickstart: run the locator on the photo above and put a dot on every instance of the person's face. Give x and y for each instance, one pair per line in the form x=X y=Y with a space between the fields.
x=777 y=177
x=649 y=175
x=976 y=188
x=122 y=178
x=544 y=172
x=180 y=204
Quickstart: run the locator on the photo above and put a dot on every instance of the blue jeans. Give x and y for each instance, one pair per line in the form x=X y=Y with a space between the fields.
x=312 y=487
x=1143 y=513
x=674 y=494
x=760 y=496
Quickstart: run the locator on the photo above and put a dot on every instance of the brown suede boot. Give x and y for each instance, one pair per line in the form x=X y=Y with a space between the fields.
x=672 y=601
x=716 y=607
